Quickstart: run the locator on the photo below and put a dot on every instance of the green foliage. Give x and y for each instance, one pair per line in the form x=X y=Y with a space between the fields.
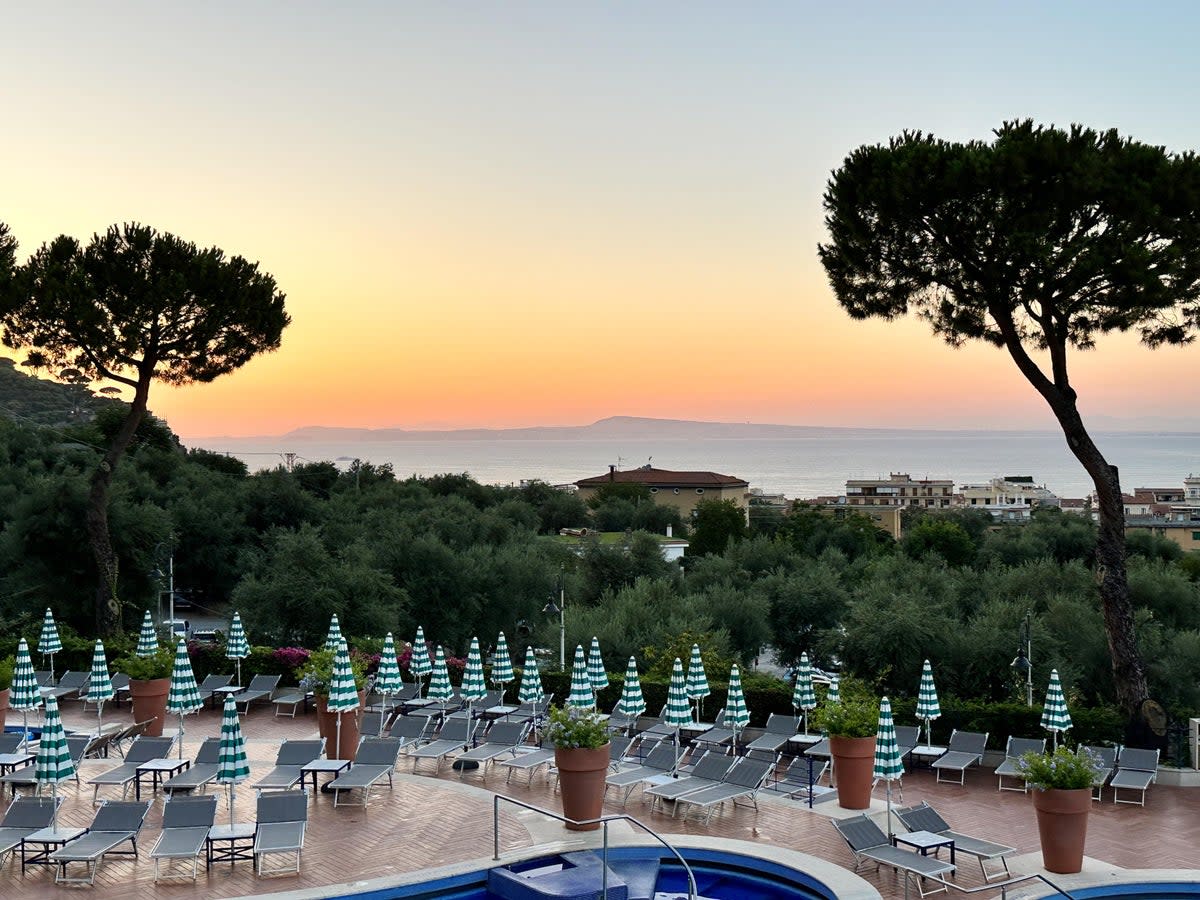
x=7 y=664
x=948 y=540
x=813 y=531
x=856 y=716
x=317 y=674
x=716 y=523
x=572 y=728
x=146 y=668
x=1063 y=769
x=628 y=492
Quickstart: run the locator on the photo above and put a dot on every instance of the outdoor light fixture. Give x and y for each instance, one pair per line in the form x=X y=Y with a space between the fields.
x=560 y=609
x=1023 y=664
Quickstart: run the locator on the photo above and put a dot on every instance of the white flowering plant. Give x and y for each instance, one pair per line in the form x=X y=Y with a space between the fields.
x=1061 y=770
x=574 y=728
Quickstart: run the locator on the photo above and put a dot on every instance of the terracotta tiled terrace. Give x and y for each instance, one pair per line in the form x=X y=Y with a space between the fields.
x=427 y=822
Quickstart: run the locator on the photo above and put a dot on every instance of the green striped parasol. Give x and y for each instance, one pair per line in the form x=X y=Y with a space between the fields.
x=679 y=710
x=531 y=690
x=334 y=638
x=440 y=688
x=48 y=642
x=595 y=668
x=632 y=703
x=184 y=695
x=834 y=693
x=697 y=679
x=473 y=686
x=53 y=765
x=147 y=644
x=737 y=716
x=581 y=696
x=888 y=766
x=387 y=676
x=1055 y=717
x=232 y=765
x=236 y=646
x=100 y=687
x=343 y=693
x=418 y=661
x=24 y=695
x=803 y=697
x=927 y=701
x=502 y=667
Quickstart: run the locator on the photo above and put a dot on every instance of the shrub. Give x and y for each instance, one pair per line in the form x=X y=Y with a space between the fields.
x=1061 y=770
x=146 y=668
x=575 y=728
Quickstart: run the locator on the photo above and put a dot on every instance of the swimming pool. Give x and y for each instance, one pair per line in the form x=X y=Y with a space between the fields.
x=720 y=874
x=1151 y=890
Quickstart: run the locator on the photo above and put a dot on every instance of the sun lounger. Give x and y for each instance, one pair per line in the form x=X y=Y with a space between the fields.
x=211 y=684
x=800 y=780
x=24 y=816
x=923 y=817
x=1013 y=751
x=868 y=843
x=120 y=684
x=127 y=735
x=454 y=737
x=410 y=731
x=375 y=760
x=115 y=823
x=743 y=781
x=289 y=760
x=1136 y=771
x=279 y=829
x=1107 y=766
x=289 y=704
x=654 y=731
x=260 y=687
x=185 y=825
x=907 y=738
x=707 y=772
x=964 y=750
x=44 y=678
x=660 y=761
x=528 y=760
x=202 y=772
x=10 y=741
x=775 y=737
x=820 y=750
x=140 y=751
x=68 y=686
x=370 y=724
x=501 y=738
x=77 y=746
x=717 y=736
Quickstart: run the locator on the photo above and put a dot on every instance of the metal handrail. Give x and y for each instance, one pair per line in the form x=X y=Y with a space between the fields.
x=603 y=823
x=991 y=886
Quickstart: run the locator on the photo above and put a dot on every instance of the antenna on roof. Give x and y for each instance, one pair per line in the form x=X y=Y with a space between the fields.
x=649 y=462
x=620 y=459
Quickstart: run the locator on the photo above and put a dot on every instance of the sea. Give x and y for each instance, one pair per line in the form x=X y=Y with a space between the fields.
x=803 y=466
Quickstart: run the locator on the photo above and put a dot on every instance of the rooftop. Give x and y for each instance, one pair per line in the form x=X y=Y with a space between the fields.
x=663 y=478
x=427 y=822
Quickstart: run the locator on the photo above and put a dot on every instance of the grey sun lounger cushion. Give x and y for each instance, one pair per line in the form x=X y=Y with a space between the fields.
x=77 y=747
x=745 y=779
x=924 y=817
x=141 y=750
x=260 y=687
x=409 y=730
x=964 y=750
x=868 y=843
x=1013 y=751
x=279 y=828
x=707 y=772
x=185 y=826
x=529 y=762
x=1136 y=770
x=660 y=761
x=819 y=750
x=10 y=741
x=202 y=772
x=115 y=823
x=374 y=761
x=907 y=737
x=68 y=686
x=455 y=736
x=24 y=816
x=502 y=737
x=292 y=756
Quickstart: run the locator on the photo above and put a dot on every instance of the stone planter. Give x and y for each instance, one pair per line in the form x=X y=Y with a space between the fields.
x=581 y=775
x=853 y=764
x=4 y=706
x=150 y=702
x=1062 y=817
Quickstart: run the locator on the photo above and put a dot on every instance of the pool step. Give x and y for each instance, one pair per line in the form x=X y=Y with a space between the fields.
x=575 y=876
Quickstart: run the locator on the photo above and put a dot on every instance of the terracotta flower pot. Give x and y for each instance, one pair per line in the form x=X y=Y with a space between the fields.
x=150 y=702
x=4 y=706
x=1062 y=817
x=581 y=775
x=327 y=726
x=853 y=764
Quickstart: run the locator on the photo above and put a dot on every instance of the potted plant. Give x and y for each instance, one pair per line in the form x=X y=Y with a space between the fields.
x=6 y=676
x=316 y=675
x=581 y=754
x=149 y=682
x=851 y=725
x=1062 y=797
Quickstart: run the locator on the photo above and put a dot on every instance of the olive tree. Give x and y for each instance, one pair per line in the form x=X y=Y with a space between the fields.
x=1038 y=243
x=132 y=307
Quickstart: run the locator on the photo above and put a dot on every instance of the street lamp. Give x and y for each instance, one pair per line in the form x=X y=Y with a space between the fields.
x=1023 y=664
x=170 y=579
x=560 y=609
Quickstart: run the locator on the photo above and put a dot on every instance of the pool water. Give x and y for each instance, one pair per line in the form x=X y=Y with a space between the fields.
x=1150 y=890
x=720 y=875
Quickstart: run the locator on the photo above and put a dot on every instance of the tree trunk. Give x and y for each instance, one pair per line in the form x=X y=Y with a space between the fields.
x=108 y=605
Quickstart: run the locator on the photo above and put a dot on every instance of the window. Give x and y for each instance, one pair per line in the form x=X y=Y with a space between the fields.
x=699 y=490
x=674 y=490
x=654 y=490
x=1196 y=535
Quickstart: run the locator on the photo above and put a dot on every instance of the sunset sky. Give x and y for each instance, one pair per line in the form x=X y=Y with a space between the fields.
x=521 y=213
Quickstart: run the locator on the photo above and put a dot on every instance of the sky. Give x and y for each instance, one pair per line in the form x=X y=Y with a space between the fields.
x=506 y=214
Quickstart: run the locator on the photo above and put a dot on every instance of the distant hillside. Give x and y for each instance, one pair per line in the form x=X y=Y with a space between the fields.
x=39 y=401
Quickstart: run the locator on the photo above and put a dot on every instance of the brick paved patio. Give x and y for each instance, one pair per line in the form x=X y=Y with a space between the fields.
x=427 y=822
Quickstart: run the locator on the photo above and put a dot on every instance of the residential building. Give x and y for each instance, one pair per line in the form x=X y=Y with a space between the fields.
x=682 y=490
x=899 y=489
x=1009 y=498
x=1173 y=513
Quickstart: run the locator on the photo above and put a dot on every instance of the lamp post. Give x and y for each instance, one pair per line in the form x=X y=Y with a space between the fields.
x=1023 y=664
x=561 y=609
x=170 y=586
